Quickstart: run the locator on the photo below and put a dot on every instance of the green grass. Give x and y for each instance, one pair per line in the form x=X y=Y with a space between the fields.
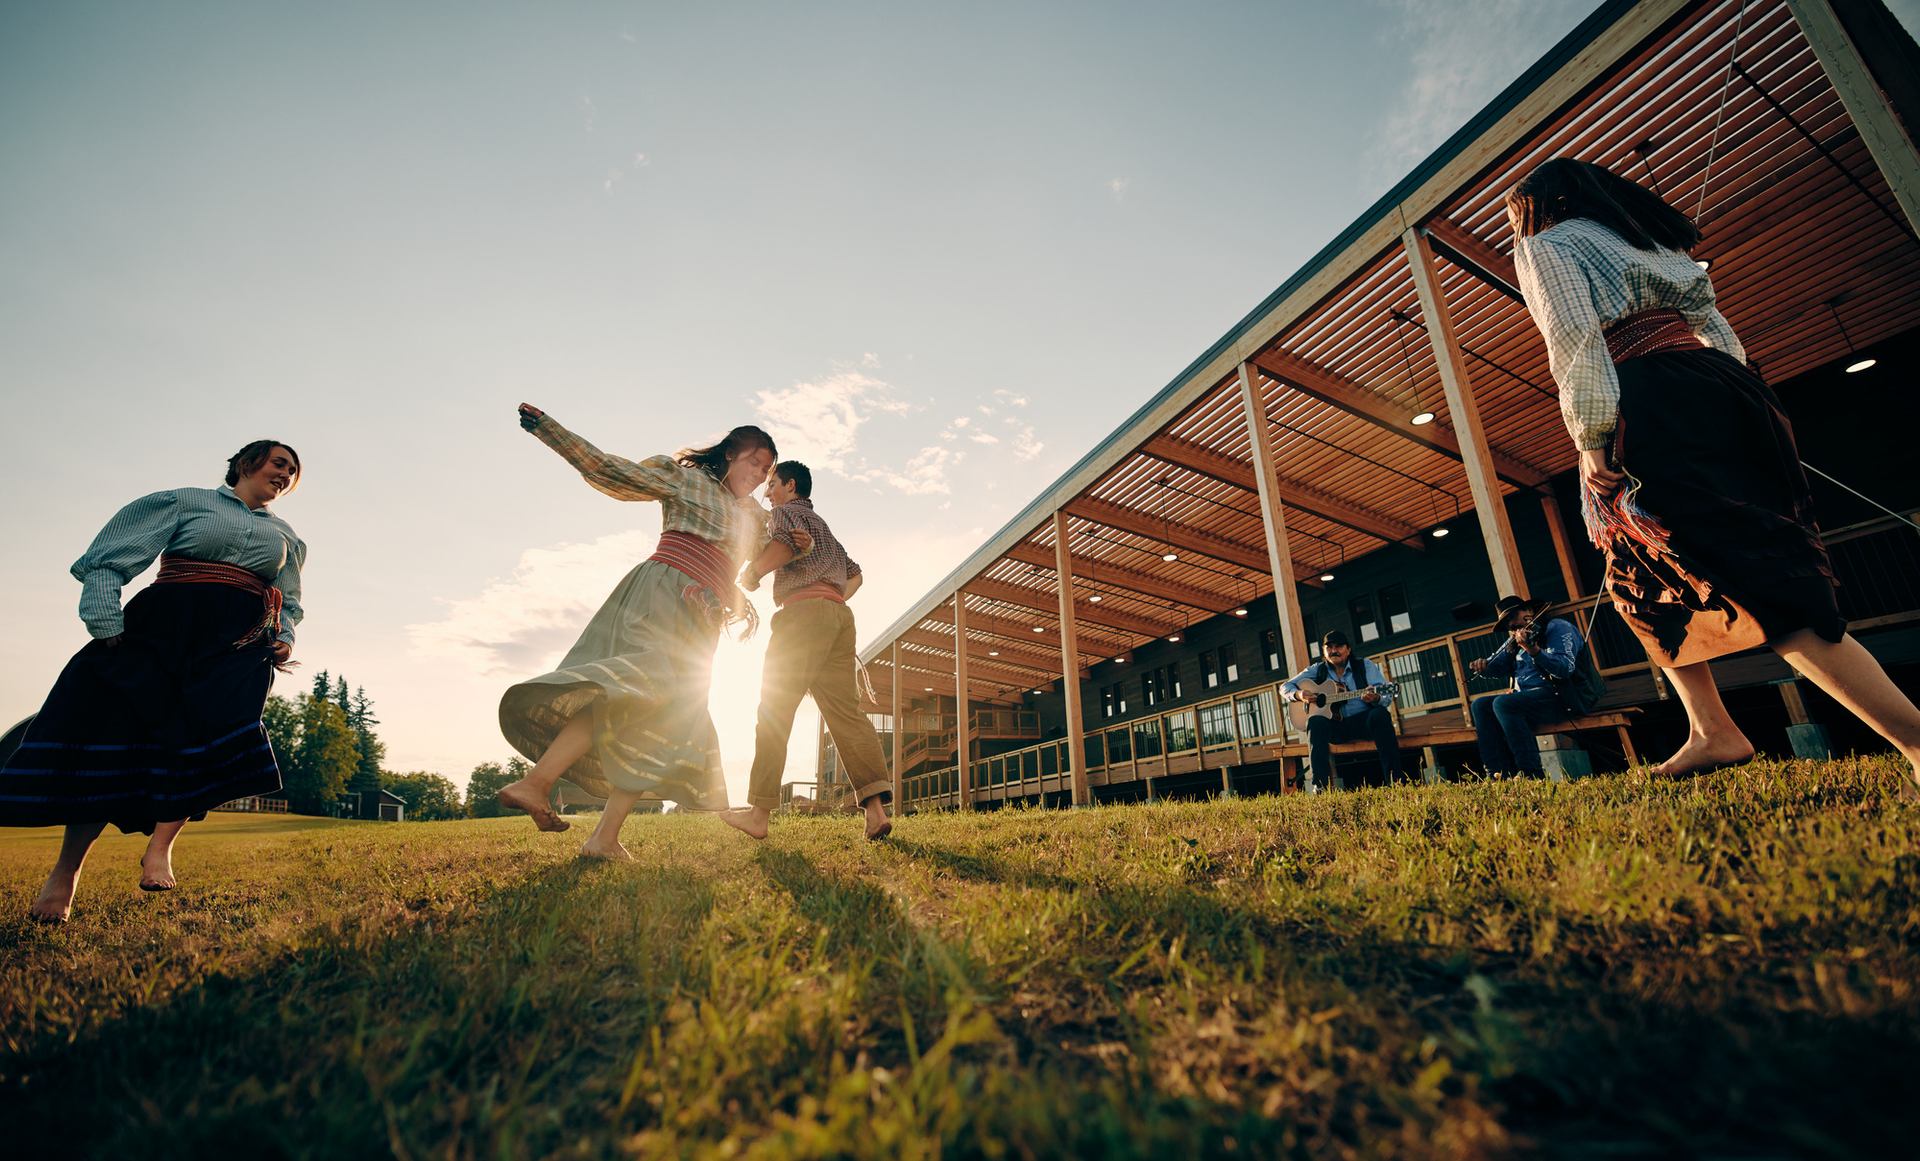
x=1598 y=969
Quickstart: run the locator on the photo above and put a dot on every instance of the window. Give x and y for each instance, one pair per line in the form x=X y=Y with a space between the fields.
x=1365 y=627
x=1393 y=609
x=1119 y=744
x=1146 y=738
x=1259 y=715
x=1149 y=689
x=1108 y=699
x=1209 y=670
x=1180 y=737
x=1173 y=682
x=1229 y=663
x=1270 y=646
x=1216 y=724
x=1312 y=624
x=1160 y=685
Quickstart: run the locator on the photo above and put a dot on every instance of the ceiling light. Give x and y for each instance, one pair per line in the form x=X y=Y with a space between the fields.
x=1039 y=628
x=1856 y=368
x=993 y=653
x=1326 y=576
x=1439 y=532
x=1039 y=691
x=1094 y=599
x=1174 y=637
x=1239 y=612
x=929 y=689
x=1120 y=661
x=1169 y=556
x=1423 y=418
x=1702 y=263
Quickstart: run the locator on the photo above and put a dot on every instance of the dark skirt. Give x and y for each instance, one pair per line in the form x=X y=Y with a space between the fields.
x=1715 y=551
x=163 y=726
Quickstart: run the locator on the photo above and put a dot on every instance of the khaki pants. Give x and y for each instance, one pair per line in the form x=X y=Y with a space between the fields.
x=811 y=651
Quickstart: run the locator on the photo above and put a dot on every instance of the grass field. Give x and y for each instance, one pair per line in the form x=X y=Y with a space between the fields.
x=1728 y=968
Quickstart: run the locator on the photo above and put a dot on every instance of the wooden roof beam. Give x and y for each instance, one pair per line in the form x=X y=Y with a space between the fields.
x=1011 y=656
x=1093 y=647
x=1338 y=391
x=1087 y=569
x=1179 y=535
x=1045 y=601
x=1475 y=255
x=1198 y=457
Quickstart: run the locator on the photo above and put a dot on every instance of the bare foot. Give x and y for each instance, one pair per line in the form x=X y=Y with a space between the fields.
x=611 y=852
x=744 y=822
x=522 y=796
x=879 y=826
x=156 y=871
x=1705 y=755
x=54 y=903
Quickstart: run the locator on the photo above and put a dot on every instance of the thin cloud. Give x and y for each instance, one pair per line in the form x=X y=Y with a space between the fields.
x=1009 y=398
x=588 y=113
x=984 y=437
x=1025 y=445
x=1117 y=186
x=1462 y=53
x=820 y=419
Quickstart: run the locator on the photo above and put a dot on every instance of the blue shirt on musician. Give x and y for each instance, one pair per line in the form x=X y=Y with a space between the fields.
x=208 y=524
x=1559 y=645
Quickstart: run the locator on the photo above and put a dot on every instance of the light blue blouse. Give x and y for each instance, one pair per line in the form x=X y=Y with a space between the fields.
x=209 y=524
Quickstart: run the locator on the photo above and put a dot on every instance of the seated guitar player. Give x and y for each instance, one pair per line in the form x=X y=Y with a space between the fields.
x=1333 y=718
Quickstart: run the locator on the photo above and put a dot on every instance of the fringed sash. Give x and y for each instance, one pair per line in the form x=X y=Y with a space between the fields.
x=710 y=569
x=1609 y=518
x=818 y=590
x=179 y=570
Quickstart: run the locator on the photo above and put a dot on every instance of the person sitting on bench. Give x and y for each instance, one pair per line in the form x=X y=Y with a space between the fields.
x=1538 y=654
x=1365 y=716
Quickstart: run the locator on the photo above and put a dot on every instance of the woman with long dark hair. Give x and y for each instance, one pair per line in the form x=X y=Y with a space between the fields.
x=625 y=717
x=157 y=720
x=1691 y=480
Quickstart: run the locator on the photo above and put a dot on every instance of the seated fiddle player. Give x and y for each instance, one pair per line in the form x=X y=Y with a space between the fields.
x=811 y=650
x=1538 y=653
x=1363 y=713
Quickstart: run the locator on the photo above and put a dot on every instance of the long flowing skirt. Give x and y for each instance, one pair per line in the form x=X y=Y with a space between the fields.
x=163 y=726
x=642 y=667
x=1720 y=552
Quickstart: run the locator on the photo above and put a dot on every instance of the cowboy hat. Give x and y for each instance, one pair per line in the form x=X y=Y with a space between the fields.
x=1505 y=610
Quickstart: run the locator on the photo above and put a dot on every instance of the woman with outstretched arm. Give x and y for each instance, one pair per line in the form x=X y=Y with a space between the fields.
x=624 y=716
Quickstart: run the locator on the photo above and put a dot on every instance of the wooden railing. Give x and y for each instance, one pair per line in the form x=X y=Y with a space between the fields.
x=1878 y=562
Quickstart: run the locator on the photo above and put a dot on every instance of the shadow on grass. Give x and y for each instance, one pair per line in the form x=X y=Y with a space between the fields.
x=384 y=1034
x=982 y=868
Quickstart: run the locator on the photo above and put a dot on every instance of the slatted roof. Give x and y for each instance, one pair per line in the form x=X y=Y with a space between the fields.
x=1722 y=107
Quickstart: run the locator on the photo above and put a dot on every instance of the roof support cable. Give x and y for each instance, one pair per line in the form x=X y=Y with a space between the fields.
x=1726 y=87
x=1896 y=219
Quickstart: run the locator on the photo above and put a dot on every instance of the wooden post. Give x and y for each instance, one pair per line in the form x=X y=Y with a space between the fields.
x=1890 y=146
x=1273 y=518
x=962 y=720
x=1070 y=664
x=1562 y=546
x=899 y=741
x=1475 y=455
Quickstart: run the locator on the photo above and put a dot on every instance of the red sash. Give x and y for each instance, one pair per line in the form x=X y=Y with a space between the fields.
x=1650 y=332
x=179 y=570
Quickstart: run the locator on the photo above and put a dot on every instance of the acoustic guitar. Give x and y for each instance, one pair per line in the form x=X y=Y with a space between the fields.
x=1322 y=696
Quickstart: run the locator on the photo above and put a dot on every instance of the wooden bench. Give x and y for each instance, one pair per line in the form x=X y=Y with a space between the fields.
x=1293 y=755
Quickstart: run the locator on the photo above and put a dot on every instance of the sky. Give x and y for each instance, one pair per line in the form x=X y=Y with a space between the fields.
x=938 y=250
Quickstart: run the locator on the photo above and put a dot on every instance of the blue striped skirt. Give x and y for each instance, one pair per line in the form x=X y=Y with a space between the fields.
x=162 y=726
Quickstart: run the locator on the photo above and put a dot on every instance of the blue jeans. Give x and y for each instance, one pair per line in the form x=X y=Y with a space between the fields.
x=1375 y=723
x=1504 y=726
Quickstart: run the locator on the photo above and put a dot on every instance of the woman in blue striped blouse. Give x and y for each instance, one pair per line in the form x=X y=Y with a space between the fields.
x=157 y=719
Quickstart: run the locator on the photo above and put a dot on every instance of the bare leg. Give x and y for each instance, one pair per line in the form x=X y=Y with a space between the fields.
x=533 y=793
x=1853 y=677
x=156 y=866
x=1712 y=738
x=604 y=842
x=750 y=820
x=55 y=901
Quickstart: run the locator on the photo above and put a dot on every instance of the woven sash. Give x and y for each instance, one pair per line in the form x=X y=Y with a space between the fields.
x=1648 y=333
x=179 y=570
x=817 y=591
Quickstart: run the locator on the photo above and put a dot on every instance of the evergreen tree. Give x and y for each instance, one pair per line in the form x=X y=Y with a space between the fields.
x=340 y=697
x=429 y=797
x=372 y=750
x=322 y=685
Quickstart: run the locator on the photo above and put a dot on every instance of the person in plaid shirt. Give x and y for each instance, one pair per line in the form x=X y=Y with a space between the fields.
x=811 y=651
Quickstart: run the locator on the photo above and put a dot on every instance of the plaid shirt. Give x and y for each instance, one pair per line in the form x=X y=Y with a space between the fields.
x=828 y=561
x=691 y=500
x=1579 y=277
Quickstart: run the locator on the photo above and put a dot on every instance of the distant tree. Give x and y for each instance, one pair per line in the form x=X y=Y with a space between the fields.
x=340 y=697
x=483 y=786
x=325 y=755
x=367 y=774
x=282 y=720
x=430 y=797
x=322 y=685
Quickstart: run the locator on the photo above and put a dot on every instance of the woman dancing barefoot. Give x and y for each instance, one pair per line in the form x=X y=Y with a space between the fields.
x=157 y=720
x=1693 y=484
x=625 y=717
